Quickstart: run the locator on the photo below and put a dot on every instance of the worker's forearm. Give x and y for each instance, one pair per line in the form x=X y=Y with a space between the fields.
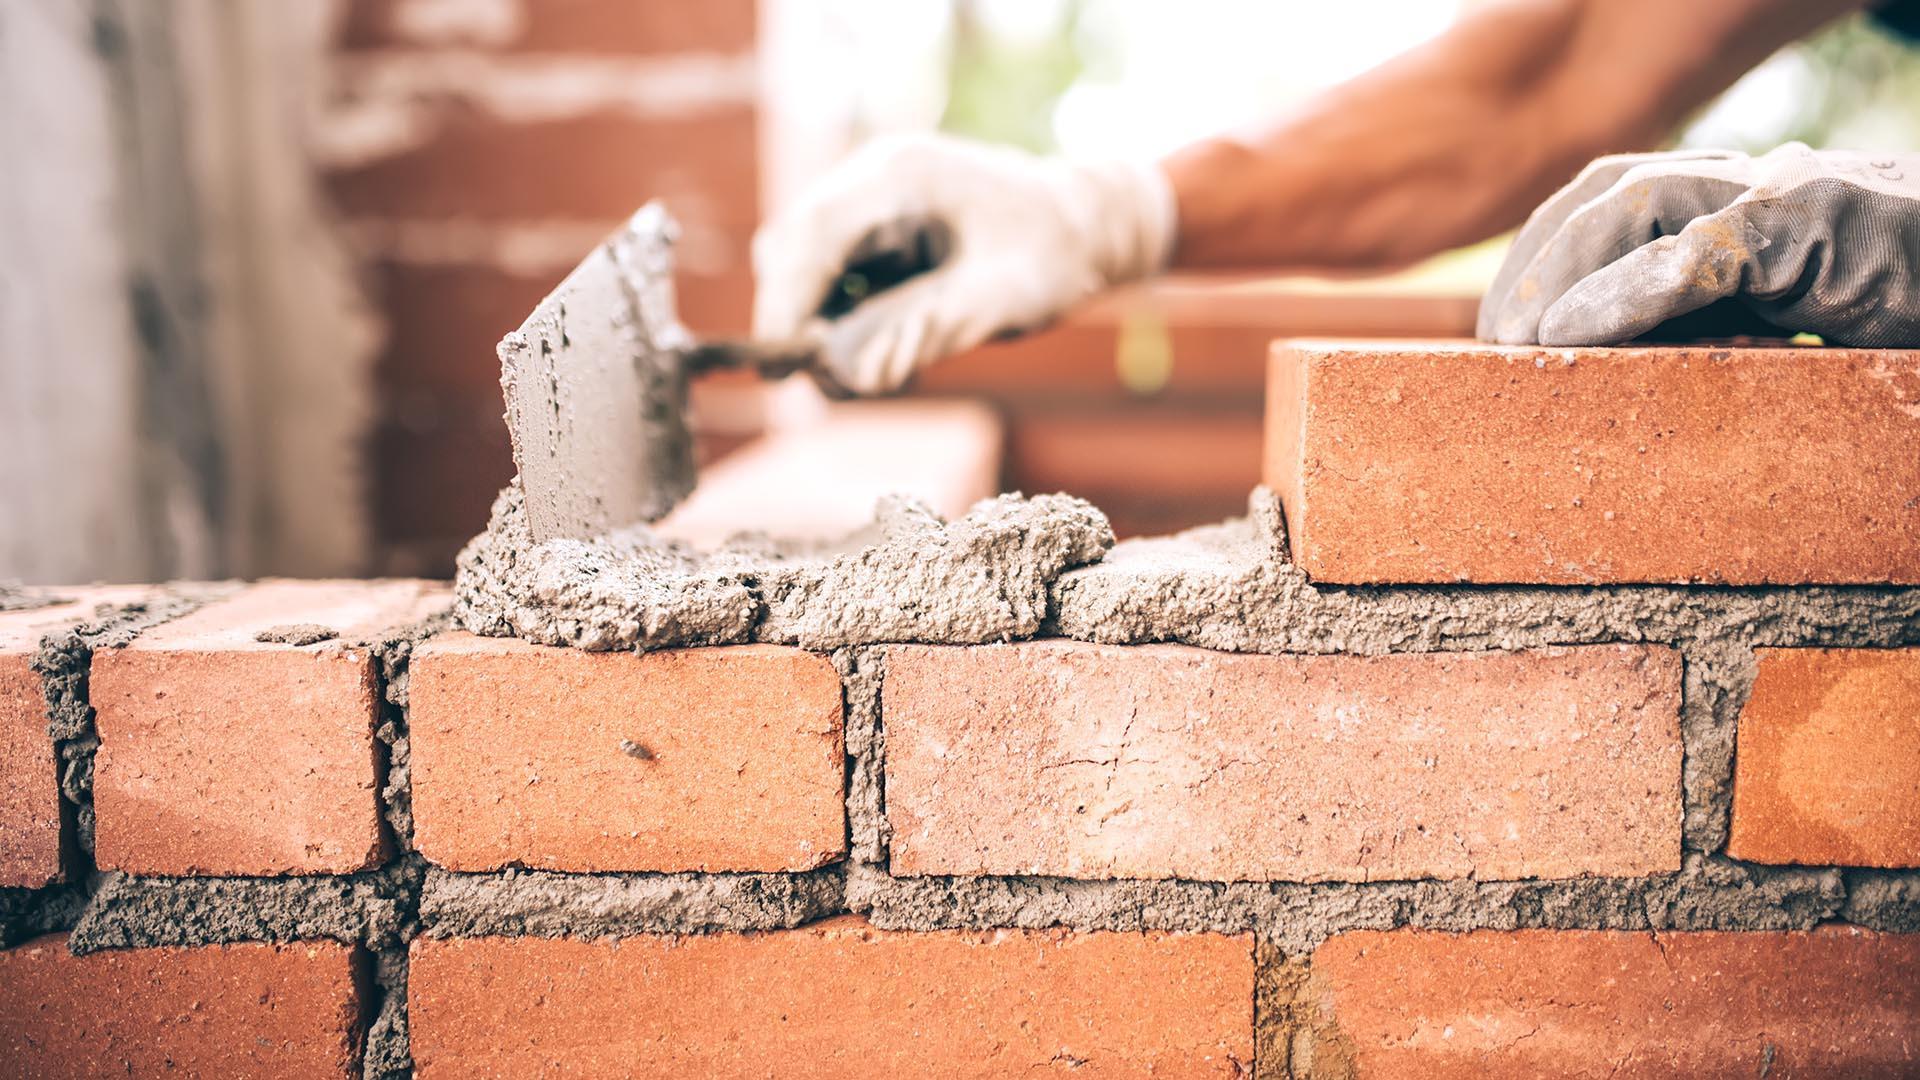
x=1459 y=139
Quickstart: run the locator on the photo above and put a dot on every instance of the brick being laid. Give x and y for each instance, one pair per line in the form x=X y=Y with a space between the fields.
x=239 y=740
x=1401 y=463
x=1164 y=761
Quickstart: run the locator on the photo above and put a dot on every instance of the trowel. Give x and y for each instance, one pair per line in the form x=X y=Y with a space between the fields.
x=595 y=380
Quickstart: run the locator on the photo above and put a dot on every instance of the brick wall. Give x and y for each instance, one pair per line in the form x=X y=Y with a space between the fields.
x=1222 y=818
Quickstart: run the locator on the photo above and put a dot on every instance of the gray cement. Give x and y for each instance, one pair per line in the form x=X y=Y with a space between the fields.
x=17 y=597
x=297 y=634
x=908 y=577
x=547 y=904
x=393 y=652
x=1707 y=894
x=1229 y=586
x=375 y=908
x=868 y=831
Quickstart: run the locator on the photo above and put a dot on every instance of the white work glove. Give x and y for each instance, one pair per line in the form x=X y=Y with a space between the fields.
x=1023 y=238
x=1817 y=241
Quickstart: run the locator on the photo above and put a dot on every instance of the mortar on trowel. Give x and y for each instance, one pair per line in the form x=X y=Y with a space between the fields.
x=596 y=378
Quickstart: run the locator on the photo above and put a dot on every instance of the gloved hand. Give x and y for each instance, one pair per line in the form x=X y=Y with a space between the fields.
x=1824 y=242
x=1027 y=237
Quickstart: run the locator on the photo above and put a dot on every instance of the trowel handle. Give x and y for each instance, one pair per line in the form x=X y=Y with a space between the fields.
x=769 y=359
x=889 y=255
x=892 y=253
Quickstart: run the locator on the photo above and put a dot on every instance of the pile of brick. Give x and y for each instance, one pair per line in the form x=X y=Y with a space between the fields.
x=1552 y=713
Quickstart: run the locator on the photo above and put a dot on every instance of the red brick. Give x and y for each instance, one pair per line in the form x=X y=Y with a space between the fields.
x=1581 y=1003
x=32 y=839
x=219 y=1010
x=1828 y=765
x=1564 y=466
x=597 y=165
x=692 y=759
x=220 y=754
x=620 y=27
x=1098 y=761
x=836 y=1000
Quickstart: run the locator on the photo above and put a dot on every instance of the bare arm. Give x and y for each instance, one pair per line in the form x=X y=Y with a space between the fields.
x=1459 y=139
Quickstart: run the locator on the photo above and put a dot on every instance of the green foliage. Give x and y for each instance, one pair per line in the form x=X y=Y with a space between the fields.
x=1868 y=90
x=1004 y=91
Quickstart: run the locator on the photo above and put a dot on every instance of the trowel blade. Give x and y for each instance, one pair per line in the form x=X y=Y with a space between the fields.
x=596 y=389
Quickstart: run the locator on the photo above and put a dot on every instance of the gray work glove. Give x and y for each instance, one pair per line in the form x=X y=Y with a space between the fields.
x=1816 y=241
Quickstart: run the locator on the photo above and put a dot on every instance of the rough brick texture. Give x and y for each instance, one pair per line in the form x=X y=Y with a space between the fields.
x=32 y=843
x=1580 y=1003
x=836 y=1000
x=1828 y=764
x=251 y=1010
x=1447 y=463
x=696 y=759
x=1094 y=761
x=222 y=754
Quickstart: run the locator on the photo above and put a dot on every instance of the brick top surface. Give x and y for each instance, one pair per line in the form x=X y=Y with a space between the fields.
x=1677 y=353
x=349 y=608
x=20 y=631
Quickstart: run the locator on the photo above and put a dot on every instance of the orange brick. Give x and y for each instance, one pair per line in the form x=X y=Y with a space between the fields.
x=1828 y=764
x=219 y=1010
x=596 y=166
x=1581 y=1003
x=220 y=754
x=693 y=759
x=619 y=27
x=836 y=1000
x=1101 y=761
x=1445 y=463
x=32 y=844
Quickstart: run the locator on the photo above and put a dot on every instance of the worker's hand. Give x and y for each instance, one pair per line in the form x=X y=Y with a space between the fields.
x=1824 y=242
x=1021 y=238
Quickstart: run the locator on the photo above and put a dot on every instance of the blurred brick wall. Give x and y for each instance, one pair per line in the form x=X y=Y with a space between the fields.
x=475 y=149
x=1149 y=403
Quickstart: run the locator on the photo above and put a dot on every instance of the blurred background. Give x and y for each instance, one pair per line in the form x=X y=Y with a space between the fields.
x=254 y=256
